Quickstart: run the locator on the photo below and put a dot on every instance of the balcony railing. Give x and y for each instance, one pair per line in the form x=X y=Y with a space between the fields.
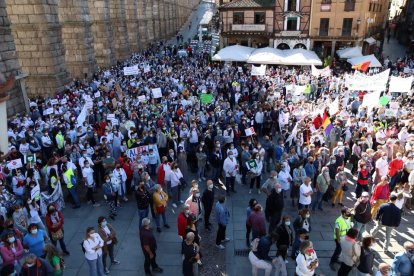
x=333 y=33
x=323 y=32
x=346 y=32
x=246 y=28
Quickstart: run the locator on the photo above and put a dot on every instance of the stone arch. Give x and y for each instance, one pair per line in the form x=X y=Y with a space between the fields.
x=299 y=46
x=283 y=46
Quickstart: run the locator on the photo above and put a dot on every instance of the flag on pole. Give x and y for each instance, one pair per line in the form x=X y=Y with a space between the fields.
x=363 y=66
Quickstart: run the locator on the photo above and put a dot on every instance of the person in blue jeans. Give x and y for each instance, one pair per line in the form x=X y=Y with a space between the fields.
x=92 y=246
x=222 y=216
x=143 y=198
x=322 y=183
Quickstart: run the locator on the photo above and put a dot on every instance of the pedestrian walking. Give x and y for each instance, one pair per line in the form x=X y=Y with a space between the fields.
x=307 y=261
x=274 y=207
x=259 y=255
x=366 y=260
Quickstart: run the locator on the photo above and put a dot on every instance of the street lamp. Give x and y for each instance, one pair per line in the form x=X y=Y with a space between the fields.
x=358 y=23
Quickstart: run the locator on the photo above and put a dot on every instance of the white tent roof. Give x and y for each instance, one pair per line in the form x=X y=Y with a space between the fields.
x=300 y=57
x=234 y=53
x=267 y=56
x=357 y=60
x=350 y=52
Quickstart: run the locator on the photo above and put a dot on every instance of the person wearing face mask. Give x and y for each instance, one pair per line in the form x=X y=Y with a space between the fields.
x=111 y=193
x=35 y=266
x=201 y=163
x=11 y=250
x=366 y=260
x=182 y=221
x=68 y=178
x=85 y=158
x=380 y=195
x=362 y=180
x=255 y=172
x=35 y=240
x=306 y=261
x=20 y=218
x=87 y=173
x=54 y=224
x=230 y=168
x=257 y=222
x=108 y=235
x=285 y=233
x=18 y=184
x=274 y=207
x=305 y=194
x=92 y=247
x=120 y=174
x=208 y=200
x=47 y=145
x=322 y=186
x=381 y=168
x=160 y=199
x=362 y=213
x=350 y=252
x=194 y=201
x=403 y=263
x=342 y=225
x=149 y=247
x=395 y=169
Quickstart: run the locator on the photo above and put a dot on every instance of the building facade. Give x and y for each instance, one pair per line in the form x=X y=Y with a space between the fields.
x=344 y=23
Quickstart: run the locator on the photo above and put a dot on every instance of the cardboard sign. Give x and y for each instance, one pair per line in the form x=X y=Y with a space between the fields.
x=239 y=69
x=15 y=164
x=142 y=99
x=54 y=101
x=97 y=94
x=249 y=131
x=251 y=164
x=48 y=111
x=110 y=116
x=156 y=92
x=258 y=70
x=133 y=70
x=63 y=101
x=206 y=98
x=35 y=192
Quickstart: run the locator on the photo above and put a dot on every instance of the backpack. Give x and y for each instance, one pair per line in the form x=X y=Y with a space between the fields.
x=83 y=248
x=255 y=244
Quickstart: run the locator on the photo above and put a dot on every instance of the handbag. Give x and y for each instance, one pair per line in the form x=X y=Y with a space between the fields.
x=57 y=235
x=345 y=188
x=160 y=209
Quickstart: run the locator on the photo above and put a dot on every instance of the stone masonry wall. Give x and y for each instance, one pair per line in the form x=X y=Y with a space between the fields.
x=9 y=63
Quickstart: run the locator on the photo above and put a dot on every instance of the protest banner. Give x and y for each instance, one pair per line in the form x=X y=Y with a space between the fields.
x=54 y=101
x=359 y=81
x=324 y=72
x=15 y=164
x=35 y=192
x=249 y=131
x=63 y=101
x=97 y=94
x=142 y=98
x=133 y=153
x=48 y=111
x=156 y=92
x=56 y=198
x=402 y=85
x=132 y=70
x=258 y=70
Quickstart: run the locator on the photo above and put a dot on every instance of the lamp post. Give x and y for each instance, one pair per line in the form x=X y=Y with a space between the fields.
x=358 y=23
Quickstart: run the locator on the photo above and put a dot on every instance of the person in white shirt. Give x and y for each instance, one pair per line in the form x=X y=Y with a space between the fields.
x=256 y=173
x=381 y=168
x=175 y=176
x=284 y=178
x=233 y=149
x=47 y=144
x=306 y=261
x=230 y=168
x=305 y=194
x=381 y=136
x=92 y=246
x=24 y=147
x=88 y=179
x=119 y=173
x=85 y=158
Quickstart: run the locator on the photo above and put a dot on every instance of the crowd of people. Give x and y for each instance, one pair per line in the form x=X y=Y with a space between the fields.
x=219 y=126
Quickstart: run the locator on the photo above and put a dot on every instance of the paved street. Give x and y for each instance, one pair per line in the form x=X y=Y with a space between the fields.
x=393 y=49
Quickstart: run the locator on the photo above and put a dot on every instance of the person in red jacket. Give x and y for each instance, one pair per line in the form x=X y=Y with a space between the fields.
x=317 y=122
x=54 y=224
x=362 y=181
x=182 y=221
x=127 y=166
x=395 y=168
x=380 y=195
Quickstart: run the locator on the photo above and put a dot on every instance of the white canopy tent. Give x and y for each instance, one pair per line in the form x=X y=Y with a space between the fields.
x=350 y=52
x=266 y=56
x=300 y=57
x=234 y=53
x=357 y=60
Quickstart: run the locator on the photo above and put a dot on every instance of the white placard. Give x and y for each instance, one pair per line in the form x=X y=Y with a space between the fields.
x=156 y=92
x=15 y=164
x=249 y=131
x=239 y=69
x=110 y=116
x=48 y=111
x=299 y=89
x=63 y=101
x=371 y=100
x=402 y=85
x=35 y=192
x=363 y=82
x=107 y=73
x=142 y=98
x=97 y=94
x=394 y=105
x=133 y=70
x=54 y=101
x=88 y=104
x=147 y=68
x=258 y=70
x=324 y=72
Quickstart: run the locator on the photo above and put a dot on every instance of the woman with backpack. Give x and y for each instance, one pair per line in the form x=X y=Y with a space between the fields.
x=55 y=259
x=366 y=260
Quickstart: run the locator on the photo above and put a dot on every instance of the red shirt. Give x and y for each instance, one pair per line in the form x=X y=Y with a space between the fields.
x=181 y=224
x=394 y=166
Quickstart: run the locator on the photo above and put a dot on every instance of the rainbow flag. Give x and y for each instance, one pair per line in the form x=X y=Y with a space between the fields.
x=326 y=123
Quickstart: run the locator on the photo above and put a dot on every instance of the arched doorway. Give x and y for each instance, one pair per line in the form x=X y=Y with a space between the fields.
x=299 y=46
x=283 y=46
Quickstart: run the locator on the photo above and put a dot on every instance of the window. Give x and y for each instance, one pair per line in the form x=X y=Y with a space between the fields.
x=292 y=23
x=347 y=27
x=259 y=18
x=380 y=9
x=370 y=6
x=324 y=27
x=291 y=5
x=238 y=18
x=326 y=1
x=349 y=5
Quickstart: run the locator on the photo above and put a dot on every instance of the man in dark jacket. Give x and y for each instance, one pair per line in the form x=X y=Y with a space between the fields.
x=274 y=207
x=149 y=247
x=208 y=200
x=362 y=213
x=388 y=216
x=142 y=197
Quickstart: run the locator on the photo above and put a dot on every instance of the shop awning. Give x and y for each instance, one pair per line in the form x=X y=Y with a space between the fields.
x=349 y=52
x=267 y=55
x=234 y=53
x=370 y=40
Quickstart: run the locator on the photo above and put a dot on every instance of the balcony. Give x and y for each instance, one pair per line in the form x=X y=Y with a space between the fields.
x=346 y=32
x=334 y=33
x=323 y=32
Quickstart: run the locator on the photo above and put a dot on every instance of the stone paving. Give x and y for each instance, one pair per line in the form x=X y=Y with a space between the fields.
x=393 y=49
